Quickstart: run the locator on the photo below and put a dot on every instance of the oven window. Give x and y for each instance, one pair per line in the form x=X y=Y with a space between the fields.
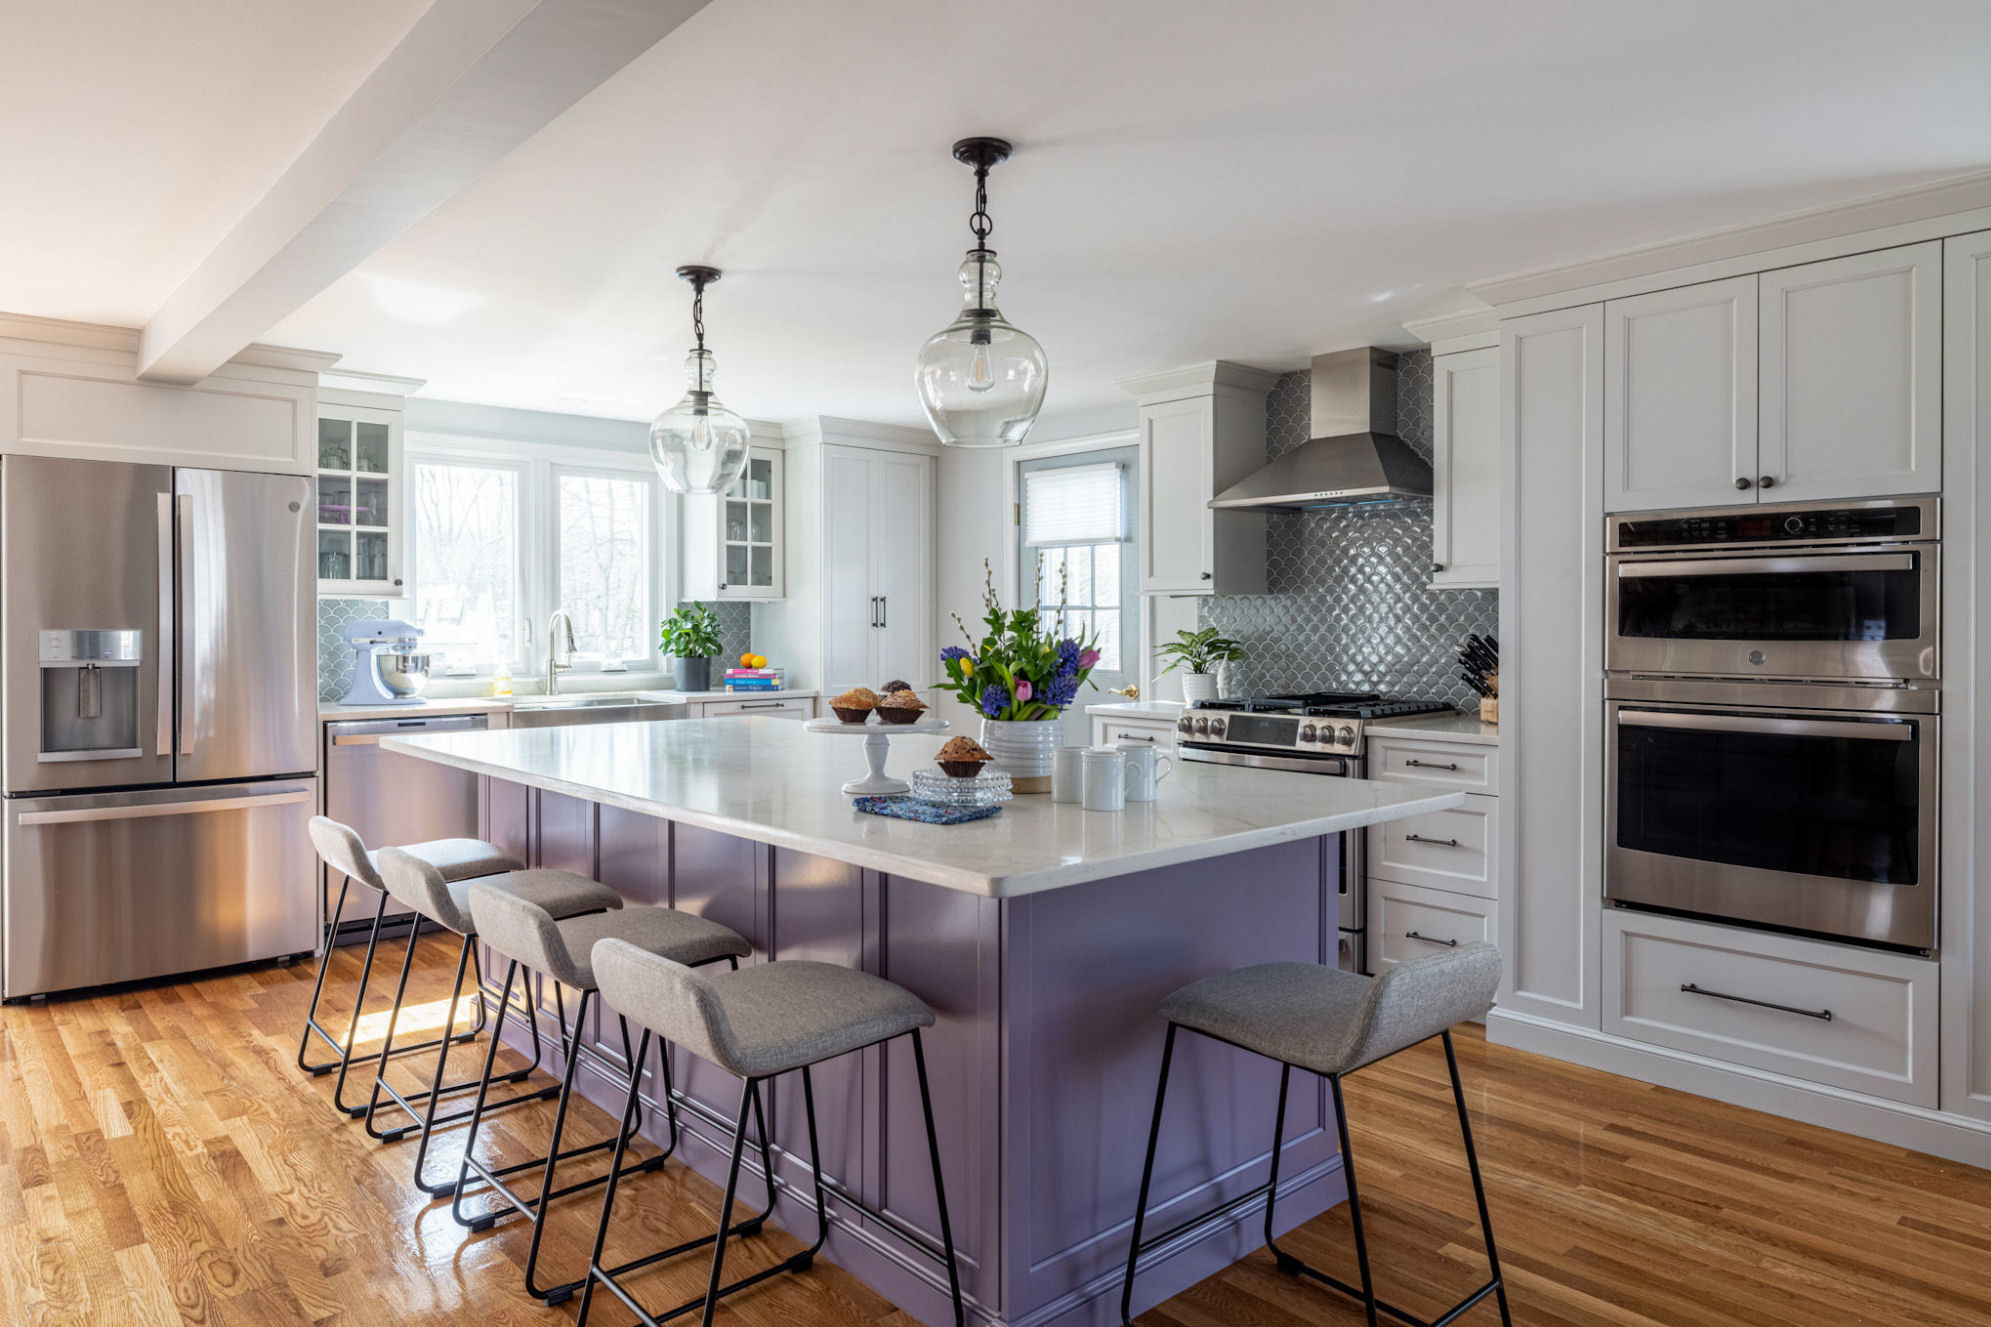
x=1840 y=807
x=1811 y=605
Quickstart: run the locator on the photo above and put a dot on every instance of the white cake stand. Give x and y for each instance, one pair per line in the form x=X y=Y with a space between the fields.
x=877 y=742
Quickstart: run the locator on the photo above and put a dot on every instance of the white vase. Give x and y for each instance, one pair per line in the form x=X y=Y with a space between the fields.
x=1199 y=687
x=1022 y=749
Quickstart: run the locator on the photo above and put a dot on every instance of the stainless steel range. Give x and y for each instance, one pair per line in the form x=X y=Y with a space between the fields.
x=1318 y=732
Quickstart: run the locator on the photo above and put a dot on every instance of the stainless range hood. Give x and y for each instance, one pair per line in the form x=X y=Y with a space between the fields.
x=1354 y=457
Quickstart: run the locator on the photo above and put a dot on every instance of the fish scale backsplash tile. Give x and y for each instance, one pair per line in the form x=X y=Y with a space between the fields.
x=1349 y=606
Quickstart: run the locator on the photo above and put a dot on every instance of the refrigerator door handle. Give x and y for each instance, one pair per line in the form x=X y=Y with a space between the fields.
x=164 y=649
x=186 y=663
x=82 y=815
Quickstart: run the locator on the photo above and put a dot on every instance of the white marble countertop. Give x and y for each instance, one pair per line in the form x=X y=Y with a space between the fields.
x=699 y=697
x=768 y=780
x=329 y=711
x=1449 y=727
x=1170 y=710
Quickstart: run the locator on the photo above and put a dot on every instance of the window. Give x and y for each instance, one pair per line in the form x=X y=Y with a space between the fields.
x=1075 y=536
x=605 y=571
x=467 y=565
x=499 y=545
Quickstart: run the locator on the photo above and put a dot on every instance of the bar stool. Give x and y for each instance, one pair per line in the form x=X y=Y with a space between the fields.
x=1331 y=1023
x=342 y=849
x=446 y=902
x=756 y=1023
x=530 y=937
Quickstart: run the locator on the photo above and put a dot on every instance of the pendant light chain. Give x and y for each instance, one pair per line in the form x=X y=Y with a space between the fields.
x=981 y=223
x=698 y=325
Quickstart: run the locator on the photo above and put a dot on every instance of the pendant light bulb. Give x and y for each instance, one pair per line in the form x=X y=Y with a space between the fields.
x=698 y=445
x=981 y=379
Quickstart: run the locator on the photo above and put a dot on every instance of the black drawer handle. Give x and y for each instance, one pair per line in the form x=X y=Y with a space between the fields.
x=1129 y=737
x=1823 y=1015
x=1430 y=939
x=1432 y=764
x=1419 y=838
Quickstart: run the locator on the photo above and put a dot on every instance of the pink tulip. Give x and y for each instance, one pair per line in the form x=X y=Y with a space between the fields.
x=1088 y=658
x=1022 y=691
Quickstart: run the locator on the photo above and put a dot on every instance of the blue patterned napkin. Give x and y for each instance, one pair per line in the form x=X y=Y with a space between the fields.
x=927 y=813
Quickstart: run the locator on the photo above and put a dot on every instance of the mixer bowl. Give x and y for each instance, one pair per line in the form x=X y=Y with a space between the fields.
x=404 y=673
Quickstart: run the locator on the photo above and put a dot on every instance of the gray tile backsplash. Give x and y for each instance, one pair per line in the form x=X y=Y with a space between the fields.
x=1349 y=606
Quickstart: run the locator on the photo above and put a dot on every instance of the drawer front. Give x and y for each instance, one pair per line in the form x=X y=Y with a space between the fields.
x=1459 y=766
x=780 y=709
x=1761 y=1000
x=1406 y=922
x=1112 y=732
x=1457 y=849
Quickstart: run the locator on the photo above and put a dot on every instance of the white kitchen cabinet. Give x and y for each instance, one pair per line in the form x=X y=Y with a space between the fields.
x=1680 y=397
x=734 y=543
x=749 y=706
x=362 y=501
x=1465 y=469
x=1202 y=430
x=1409 y=922
x=1551 y=680
x=1111 y=728
x=1852 y=376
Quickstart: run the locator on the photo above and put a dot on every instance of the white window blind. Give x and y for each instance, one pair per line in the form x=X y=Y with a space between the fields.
x=1081 y=504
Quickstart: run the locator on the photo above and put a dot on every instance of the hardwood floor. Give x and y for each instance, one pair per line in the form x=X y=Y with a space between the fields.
x=162 y=1161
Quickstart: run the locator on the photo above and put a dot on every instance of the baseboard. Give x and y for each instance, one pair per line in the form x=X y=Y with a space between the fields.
x=1953 y=1137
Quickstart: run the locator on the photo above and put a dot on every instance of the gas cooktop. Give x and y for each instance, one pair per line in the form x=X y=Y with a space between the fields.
x=1270 y=725
x=1328 y=705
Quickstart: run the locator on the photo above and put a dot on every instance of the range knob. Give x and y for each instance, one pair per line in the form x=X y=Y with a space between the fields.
x=1307 y=732
x=1185 y=724
x=1345 y=735
x=1216 y=727
x=1202 y=725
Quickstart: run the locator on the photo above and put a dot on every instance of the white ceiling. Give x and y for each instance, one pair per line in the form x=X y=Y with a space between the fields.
x=1258 y=180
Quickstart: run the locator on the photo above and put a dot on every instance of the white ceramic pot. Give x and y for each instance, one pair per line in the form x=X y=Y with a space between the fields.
x=1022 y=750
x=1199 y=687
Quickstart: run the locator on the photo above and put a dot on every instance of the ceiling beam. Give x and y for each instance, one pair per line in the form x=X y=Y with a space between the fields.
x=471 y=81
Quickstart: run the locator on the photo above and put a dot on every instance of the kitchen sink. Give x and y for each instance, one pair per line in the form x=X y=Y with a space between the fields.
x=558 y=711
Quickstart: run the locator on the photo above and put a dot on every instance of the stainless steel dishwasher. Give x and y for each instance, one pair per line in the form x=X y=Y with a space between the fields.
x=391 y=799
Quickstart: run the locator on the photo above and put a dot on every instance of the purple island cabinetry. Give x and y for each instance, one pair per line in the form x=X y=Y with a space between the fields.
x=1044 y=1057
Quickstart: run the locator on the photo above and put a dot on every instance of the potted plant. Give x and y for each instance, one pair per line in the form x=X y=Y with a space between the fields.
x=1201 y=652
x=691 y=638
x=1021 y=675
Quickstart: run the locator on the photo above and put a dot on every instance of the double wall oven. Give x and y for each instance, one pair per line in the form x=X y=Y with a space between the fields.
x=1772 y=702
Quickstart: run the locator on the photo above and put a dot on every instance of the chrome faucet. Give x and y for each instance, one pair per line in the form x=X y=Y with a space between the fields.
x=554 y=667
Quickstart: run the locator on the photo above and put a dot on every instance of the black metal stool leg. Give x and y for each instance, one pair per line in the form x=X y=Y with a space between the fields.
x=387 y=1041
x=463 y=954
x=1286 y=1262
x=483 y=1095
x=1354 y=1200
x=345 y=1059
x=608 y=1190
x=1147 y=1177
x=939 y=1185
x=1479 y=1188
x=748 y=1097
x=311 y=1025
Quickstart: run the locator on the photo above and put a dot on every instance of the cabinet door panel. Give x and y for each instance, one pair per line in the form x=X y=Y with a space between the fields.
x=901 y=561
x=1680 y=397
x=1465 y=464
x=1176 y=468
x=1852 y=375
x=848 y=607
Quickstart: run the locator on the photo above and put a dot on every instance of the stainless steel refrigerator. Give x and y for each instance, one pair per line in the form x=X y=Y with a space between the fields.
x=158 y=663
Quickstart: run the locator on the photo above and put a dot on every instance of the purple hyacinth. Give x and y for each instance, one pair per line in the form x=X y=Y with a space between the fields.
x=994 y=698
x=953 y=652
x=1061 y=691
x=1068 y=656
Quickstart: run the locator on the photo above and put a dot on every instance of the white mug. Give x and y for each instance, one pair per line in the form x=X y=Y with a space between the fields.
x=1067 y=773
x=1142 y=771
x=1105 y=779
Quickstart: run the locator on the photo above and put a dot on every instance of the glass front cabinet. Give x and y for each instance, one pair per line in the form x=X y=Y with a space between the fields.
x=362 y=494
x=733 y=542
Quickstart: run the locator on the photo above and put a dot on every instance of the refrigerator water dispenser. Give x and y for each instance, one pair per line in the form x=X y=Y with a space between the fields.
x=89 y=694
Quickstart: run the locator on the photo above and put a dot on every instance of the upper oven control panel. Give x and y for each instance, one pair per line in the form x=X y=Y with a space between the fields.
x=1271 y=732
x=1890 y=520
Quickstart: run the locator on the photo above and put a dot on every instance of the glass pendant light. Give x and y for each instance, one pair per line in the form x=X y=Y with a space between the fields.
x=698 y=445
x=981 y=380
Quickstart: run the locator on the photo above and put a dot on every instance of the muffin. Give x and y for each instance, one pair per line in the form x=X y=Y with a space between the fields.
x=900 y=707
x=963 y=758
x=895 y=684
x=855 y=705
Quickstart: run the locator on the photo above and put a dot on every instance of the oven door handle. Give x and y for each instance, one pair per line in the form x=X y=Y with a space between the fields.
x=1629 y=570
x=1878 y=731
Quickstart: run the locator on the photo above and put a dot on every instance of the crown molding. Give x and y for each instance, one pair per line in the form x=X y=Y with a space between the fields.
x=383 y=384
x=817 y=430
x=1449 y=333
x=1198 y=380
x=124 y=340
x=1965 y=193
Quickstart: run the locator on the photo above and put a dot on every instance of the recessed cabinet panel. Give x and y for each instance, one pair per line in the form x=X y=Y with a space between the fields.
x=1851 y=356
x=1175 y=470
x=1465 y=465
x=1680 y=392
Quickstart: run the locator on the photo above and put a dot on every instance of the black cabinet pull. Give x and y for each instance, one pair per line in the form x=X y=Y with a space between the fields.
x=1419 y=838
x=884 y=611
x=1822 y=1015
x=1742 y=481
x=1433 y=764
x=1430 y=939
x=1767 y=481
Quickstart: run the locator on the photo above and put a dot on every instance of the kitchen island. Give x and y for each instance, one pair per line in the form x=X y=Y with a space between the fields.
x=1043 y=938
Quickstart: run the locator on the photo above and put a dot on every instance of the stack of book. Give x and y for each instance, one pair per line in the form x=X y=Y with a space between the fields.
x=752 y=679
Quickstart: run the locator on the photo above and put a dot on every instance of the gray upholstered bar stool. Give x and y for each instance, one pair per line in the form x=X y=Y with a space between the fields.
x=755 y=1023
x=1331 y=1023
x=342 y=849
x=446 y=902
x=530 y=937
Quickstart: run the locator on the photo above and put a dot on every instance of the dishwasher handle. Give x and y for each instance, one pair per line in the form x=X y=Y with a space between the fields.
x=368 y=732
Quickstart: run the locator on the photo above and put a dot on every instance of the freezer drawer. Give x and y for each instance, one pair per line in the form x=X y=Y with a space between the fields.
x=392 y=800
x=111 y=887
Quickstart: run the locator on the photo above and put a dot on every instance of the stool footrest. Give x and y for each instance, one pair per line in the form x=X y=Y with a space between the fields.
x=406 y=1103
x=1217 y=1213
x=494 y=1180
x=606 y=1275
x=1293 y=1266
